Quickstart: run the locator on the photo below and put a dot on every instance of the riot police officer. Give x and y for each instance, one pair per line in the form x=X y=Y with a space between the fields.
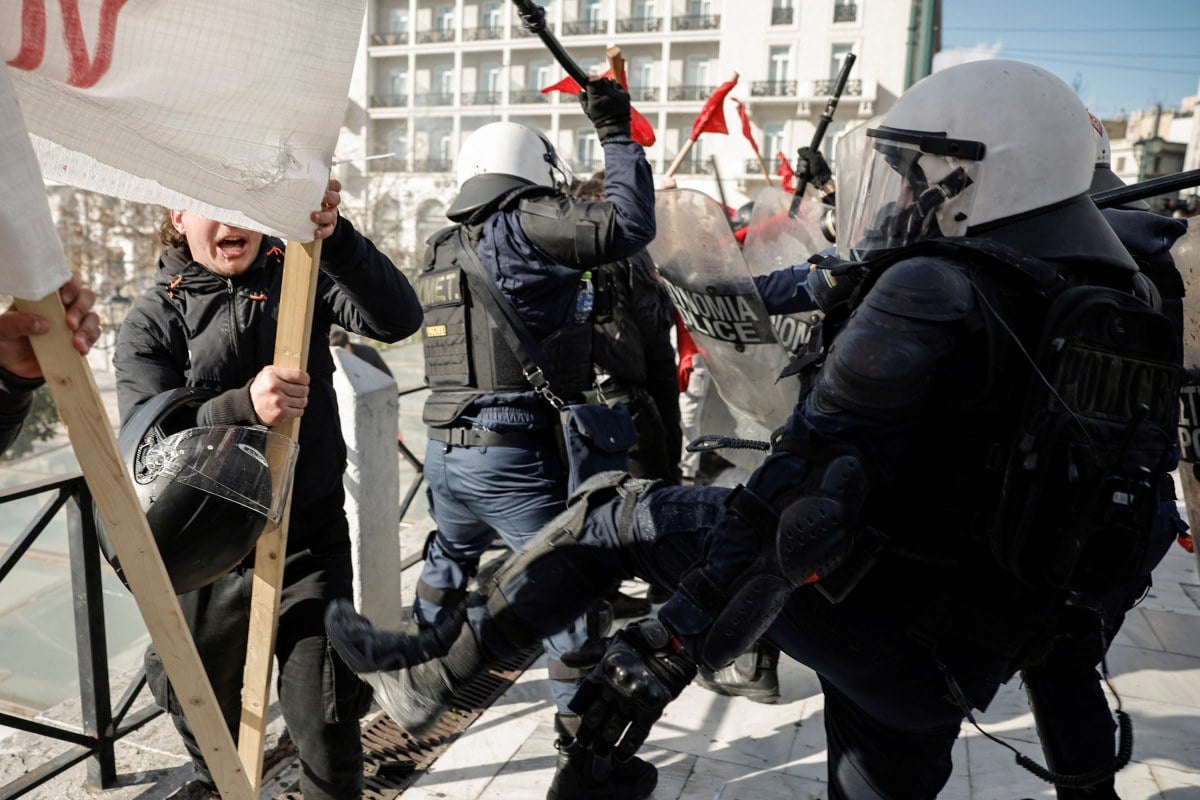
x=877 y=543
x=492 y=463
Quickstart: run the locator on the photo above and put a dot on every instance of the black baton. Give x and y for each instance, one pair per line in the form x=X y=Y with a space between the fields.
x=804 y=176
x=533 y=17
x=1147 y=188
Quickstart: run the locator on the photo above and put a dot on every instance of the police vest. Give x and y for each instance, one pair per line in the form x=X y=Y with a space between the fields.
x=466 y=354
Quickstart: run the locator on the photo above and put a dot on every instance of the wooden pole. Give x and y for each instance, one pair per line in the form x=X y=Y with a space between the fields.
x=763 y=166
x=299 y=289
x=679 y=158
x=616 y=65
x=79 y=406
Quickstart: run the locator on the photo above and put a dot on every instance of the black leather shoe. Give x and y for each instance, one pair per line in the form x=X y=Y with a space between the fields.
x=753 y=675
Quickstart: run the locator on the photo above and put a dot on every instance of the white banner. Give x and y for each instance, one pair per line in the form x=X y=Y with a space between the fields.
x=230 y=108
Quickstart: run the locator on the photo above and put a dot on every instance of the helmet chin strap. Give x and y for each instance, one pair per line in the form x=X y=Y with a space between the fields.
x=919 y=220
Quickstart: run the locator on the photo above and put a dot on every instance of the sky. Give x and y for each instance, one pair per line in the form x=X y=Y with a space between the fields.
x=1120 y=55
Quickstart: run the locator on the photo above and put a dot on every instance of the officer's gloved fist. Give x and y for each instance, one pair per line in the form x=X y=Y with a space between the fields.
x=606 y=104
x=811 y=163
x=831 y=281
x=643 y=669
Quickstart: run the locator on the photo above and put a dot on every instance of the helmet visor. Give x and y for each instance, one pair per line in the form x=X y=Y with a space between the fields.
x=911 y=186
x=848 y=165
x=231 y=462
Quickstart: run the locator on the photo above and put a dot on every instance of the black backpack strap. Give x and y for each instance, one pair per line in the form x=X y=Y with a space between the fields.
x=515 y=334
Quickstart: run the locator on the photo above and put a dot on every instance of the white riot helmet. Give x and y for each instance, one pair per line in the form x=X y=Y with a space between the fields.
x=969 y=148
x=1103 y=178
x=500 y=157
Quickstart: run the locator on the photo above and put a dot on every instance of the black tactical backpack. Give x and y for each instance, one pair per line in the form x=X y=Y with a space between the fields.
x=1096 y=431
x=1095 y=441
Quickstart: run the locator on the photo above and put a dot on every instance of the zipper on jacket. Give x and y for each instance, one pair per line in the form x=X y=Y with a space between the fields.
x=234 y=332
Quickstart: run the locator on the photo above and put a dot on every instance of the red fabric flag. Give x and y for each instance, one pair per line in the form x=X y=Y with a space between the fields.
x=640 y=129
x=746 y=125
x=787 y=176
x=711 y=118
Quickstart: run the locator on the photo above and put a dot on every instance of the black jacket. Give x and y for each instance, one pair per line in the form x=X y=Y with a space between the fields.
x=197 y=328
x=16 y=397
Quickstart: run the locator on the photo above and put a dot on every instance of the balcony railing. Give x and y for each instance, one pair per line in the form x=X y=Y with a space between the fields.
x=782 y=16
x=389 y=100
x=695 y=166
x=519 y=31
x=527 y=96
x=587 y=166
x=584 y=27
x=823 y=88
x=643 y=94
x=639 y=25
x=389 y=38
x=480 y=98
x=696 y=22
x=772 y=162
x=432 y=165
x=845 y=12
x=433 y=99
x=483 y=33
x=773 y=89
x=689 y=92
x=432 y=36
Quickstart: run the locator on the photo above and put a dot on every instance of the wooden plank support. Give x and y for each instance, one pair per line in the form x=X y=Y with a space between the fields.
x=77 y=399
x=300 y=267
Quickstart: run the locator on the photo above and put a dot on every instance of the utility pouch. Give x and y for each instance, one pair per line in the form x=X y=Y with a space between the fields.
x=596 y=438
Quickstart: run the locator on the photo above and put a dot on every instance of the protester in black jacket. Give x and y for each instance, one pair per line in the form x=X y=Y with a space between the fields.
x=210 y=322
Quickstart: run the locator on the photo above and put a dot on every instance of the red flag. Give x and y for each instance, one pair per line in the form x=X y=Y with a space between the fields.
x=787 y=176
x=746 y=125
x=640 y=129
x=711 y=118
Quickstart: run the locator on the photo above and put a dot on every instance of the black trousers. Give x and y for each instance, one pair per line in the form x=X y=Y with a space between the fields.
x=320 y=697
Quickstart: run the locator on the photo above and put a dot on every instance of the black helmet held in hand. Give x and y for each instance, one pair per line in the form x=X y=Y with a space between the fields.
x=207 y=492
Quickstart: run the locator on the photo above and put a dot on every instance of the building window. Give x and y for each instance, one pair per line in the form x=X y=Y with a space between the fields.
x=779 y=59
x=697 y=71
x=845 y=10
x=592 y=11
x=444 y=19
x=773 y=140
x=398 y=146
x=782 y=12
x=700 y=8
x=587 y=149
x=644 y=8
x=398 y=82
x=398 y=21
x=641 y=74
x=490 y=16
x=837 y=55
x=539 y=75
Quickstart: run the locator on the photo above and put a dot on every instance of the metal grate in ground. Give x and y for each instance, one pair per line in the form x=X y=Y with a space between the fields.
x=393 y=759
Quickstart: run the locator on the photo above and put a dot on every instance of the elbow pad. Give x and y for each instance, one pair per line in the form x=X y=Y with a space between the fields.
x=568 y=229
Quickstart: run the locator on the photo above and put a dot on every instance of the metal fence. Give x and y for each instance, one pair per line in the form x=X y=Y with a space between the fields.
x=102 y=722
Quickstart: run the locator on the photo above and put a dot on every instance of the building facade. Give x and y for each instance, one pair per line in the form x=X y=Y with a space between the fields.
x=432 y=71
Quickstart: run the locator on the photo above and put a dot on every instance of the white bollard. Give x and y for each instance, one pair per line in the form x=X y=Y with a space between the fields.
x=368 y=407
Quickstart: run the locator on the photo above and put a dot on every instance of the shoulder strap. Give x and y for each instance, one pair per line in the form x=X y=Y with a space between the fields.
x=515 y=334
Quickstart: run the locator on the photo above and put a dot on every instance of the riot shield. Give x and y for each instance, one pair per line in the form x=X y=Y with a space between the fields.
x=1186 y=253
x=703 y=268
x=775 y=240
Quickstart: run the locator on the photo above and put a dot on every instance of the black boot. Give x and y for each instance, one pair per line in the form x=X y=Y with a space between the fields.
x=753 y=675
x=414 y=676
x=581 y=776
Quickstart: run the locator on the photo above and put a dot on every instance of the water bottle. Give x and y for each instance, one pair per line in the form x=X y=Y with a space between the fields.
x=584 y=300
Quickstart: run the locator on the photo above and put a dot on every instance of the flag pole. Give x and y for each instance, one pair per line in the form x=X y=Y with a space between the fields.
x=616 y=65
x=293 y=333
x=73 y=389
x=691 y=140
x=761 y=164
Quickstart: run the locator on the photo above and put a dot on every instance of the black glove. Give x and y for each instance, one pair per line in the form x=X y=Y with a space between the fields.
x=811 y=163
x=643 y=669
x=606 y=104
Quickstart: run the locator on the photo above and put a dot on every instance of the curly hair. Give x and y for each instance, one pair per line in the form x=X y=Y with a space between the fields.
x=167 y=233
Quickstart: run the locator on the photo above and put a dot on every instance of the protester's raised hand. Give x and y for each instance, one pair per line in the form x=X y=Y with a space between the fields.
x=326 y=219
x=16 y=353
x=279 y=394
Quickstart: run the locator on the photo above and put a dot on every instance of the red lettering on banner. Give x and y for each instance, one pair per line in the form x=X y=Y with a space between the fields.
x=85 y=71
